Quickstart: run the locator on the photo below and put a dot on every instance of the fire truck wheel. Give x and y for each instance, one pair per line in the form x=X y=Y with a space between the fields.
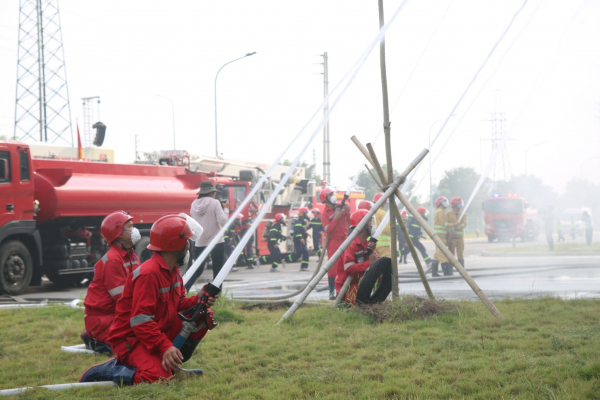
x=16 y=268
x=141 y=249
x=376 y=285
x=490 y=239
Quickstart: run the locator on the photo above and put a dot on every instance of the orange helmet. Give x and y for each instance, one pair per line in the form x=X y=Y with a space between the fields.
x=357 y=216
x=324 y=194
x=365 y=205
x=171 y=232
x=112 y=225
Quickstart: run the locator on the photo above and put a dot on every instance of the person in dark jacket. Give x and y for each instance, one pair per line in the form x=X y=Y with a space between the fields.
x=317 y=230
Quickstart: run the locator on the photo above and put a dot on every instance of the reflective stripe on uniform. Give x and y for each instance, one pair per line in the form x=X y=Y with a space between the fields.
x=140 y=319
x=104 y=258
x=348 y=265
x=166 y=289
x=116 y=291
x=384 y=240
x=136 y=272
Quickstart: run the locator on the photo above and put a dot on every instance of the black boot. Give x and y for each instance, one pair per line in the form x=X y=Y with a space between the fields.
x=434 y=268
x=447 y=268
x=111 y=370
x=462 y=262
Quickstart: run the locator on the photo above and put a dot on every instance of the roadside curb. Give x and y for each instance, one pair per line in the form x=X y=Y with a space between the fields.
x=539 y=254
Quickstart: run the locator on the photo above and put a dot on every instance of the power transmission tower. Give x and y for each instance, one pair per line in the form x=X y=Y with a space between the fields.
x=326 y=158
x=42 y=110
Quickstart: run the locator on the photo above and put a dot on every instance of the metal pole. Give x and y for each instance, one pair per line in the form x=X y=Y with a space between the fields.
x=216 y=140
x=388 y=153
x=333 y=258
x=326 y=159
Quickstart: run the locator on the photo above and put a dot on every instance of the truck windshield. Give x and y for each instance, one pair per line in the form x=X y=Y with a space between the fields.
x=504 y=206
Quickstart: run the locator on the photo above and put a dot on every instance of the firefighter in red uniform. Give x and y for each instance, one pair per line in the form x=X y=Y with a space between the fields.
x=146 y=320
x=110 y=274
x=357 y=258
x=336 y=222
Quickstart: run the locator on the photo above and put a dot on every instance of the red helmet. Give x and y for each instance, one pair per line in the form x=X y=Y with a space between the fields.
x=279 y=217
x=421 y=210
x=240 y=216
x=365 y=205
x=357 y=216
x=455 y=201
x=439 y=200
x=324 y=194
x=302 y=210
x=403 y=213
x=377 y=197
x=170 y=232
x=112 y=225
x=316 y=211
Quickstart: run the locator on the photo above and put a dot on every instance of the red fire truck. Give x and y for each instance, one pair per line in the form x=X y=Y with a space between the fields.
x=51 y=209
x=508 y=216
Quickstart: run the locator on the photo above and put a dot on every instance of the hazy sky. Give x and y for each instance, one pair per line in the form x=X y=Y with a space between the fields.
x=545 y=75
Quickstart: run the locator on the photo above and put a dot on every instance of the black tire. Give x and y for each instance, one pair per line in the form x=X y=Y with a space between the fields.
x=381 y=268
x=490 y=239
x=16 y=268
x=141 y=249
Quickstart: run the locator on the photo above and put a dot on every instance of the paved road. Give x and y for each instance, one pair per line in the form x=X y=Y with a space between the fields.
x=498 y=278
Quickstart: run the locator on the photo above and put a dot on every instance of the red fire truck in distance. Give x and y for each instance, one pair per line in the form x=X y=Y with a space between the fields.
x=508 y=216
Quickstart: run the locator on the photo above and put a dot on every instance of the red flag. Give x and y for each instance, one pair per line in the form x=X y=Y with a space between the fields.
x=79 y=147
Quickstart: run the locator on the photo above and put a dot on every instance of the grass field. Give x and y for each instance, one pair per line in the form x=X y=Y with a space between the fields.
x=558 y=247
x=544 y=349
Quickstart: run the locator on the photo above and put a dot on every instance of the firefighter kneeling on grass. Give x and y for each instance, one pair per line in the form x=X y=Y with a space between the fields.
x=110 y=274
x=146 y=320
x=357 y=258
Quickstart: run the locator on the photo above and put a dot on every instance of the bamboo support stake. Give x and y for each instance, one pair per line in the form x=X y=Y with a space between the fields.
x=391 y=189
x=343 y=291
x=375 y=162
x=490 y=306
x=388 y=153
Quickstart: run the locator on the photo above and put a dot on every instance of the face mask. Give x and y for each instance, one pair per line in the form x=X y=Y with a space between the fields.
x=445 y=203
x=373 y=230
x=135 y=235
x=460 y=206
x=333 y=199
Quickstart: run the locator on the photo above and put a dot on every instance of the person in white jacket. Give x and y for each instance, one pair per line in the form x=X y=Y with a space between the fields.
x=211 y=214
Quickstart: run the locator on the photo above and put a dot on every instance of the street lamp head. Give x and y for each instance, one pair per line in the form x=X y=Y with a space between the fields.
x=250 y=54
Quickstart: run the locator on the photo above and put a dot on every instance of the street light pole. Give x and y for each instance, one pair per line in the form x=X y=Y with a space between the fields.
x=216 y=140
x=173 y=114
x=526 y=174
x=429 y=157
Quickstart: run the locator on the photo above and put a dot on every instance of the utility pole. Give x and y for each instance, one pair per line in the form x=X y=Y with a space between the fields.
x=42 y=109
x=326 y=158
